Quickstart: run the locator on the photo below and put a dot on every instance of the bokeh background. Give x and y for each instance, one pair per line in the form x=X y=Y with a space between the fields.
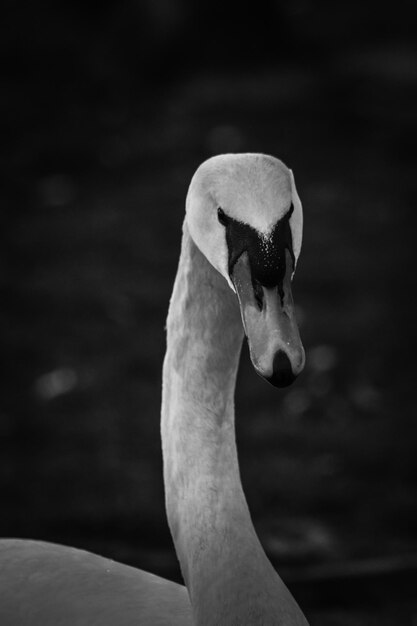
x=105 y=112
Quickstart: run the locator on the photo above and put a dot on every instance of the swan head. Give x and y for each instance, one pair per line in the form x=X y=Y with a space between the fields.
x=244 y=214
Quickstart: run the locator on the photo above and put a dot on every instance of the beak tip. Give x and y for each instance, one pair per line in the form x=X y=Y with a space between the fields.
x=282 y=372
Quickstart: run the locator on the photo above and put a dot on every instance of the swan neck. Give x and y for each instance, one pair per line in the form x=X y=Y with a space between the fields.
x=224 y=566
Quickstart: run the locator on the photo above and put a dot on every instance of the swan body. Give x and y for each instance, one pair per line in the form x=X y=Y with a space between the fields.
x=44 y=584
x=241 y=241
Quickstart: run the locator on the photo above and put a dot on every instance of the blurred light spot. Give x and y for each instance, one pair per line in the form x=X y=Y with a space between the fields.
x=301 y=539
x=322 y=358
x=224 y=139
x=56 y=191
x=365 y=397
x=56 y=383
x=297 y=402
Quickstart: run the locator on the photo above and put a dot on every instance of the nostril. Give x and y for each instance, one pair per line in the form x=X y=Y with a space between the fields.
x=258 y=293
x=282 y=373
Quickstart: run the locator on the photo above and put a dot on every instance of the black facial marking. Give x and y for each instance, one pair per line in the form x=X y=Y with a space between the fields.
x=266 y=256
x=258 y=293
x=223 y=219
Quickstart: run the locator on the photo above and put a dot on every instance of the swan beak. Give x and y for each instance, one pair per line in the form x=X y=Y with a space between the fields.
x=269 y=321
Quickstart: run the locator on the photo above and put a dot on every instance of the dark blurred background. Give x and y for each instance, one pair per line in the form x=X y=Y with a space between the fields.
x=105 y=112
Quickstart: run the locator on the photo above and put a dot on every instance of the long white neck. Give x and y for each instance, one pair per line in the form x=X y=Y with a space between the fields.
x=228 y=576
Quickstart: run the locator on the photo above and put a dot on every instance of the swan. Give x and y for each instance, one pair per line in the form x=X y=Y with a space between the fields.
x=241 y=241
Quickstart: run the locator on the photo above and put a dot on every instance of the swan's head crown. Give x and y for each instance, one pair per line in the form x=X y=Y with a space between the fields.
x=251 y=193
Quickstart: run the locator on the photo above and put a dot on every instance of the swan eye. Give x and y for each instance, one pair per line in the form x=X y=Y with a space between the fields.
x=222 y=216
